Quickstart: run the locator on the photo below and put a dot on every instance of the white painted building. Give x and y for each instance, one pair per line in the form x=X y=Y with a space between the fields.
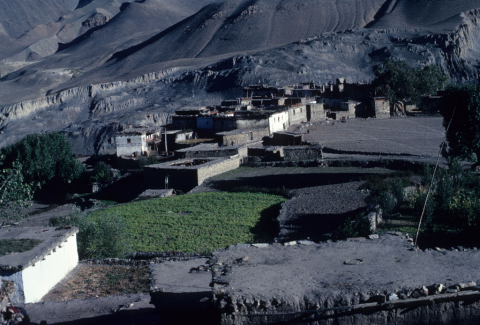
x=37 y=271
x=278 y=121
x=130 y=141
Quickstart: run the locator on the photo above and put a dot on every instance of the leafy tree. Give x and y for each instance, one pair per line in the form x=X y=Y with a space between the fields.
x=15 y=194
x=43 y=157
x=399 y=82
x=463 y=136
x=102 y=172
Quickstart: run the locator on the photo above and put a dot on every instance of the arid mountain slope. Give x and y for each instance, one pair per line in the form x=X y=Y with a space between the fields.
x=19 y=16
x=247 y=25
x=429 y=14
x=137 y=69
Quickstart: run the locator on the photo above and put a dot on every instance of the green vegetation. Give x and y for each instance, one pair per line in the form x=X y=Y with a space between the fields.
x=102 y=172
x=97 y=237
x=399 y=82
x=17 y=245
x=15 y=194
x=464 y=133
x=43 y=157
x=199 y=222
x=452 y=210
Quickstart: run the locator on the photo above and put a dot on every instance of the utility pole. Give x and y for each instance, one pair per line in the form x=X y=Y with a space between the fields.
x=166 y=147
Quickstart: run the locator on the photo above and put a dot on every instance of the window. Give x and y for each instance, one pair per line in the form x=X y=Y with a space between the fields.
x=129 y=140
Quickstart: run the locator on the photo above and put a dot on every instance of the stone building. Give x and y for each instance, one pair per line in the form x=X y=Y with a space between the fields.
x=241 y=136
x=315 y=112
x=297 y=114
x=185 y=174
x=136 y=140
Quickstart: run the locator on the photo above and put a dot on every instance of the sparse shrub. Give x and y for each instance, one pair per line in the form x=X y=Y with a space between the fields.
x=97 y=237
x=387 y=201
x=429 y=208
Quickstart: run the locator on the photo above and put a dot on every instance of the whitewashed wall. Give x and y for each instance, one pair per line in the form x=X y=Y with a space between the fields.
x=138 y=143
x=35 y=281
x=278 y=122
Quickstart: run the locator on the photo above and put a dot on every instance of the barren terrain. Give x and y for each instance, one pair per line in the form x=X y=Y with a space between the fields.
x=89 y=68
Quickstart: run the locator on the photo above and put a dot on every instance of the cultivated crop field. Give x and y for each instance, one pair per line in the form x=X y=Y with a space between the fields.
x=199 y=222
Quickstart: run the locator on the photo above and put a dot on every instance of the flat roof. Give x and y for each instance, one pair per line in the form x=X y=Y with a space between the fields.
x=356 y=266
x=168 y=165
x=51 y=237
x=240 y=131
x=137 y=131
x=202 y=146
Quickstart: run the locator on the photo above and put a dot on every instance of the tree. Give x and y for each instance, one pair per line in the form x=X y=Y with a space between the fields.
x=463 y=136
x=15 y=194
x=399 y=82
x=43 y=157
x=102 y=173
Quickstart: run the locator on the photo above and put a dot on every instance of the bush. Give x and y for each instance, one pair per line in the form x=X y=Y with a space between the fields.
x=387 y=201
x=358 y=226
x=97 y=238
x=102 y=173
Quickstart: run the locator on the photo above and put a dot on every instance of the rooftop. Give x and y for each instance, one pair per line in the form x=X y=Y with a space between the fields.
x=51 y=238
x=355 y=267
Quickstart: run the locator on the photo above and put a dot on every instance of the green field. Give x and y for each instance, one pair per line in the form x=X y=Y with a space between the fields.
x=199 y=222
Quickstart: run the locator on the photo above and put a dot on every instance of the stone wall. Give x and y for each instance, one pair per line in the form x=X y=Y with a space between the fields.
x=381 y=107
x=217 y=168
x=285 y=139
x=184 y=122
x=302 y=153
x=297 y=115
x=315 y=112
x=186 y=178
x=222 y=123
x=236 y=138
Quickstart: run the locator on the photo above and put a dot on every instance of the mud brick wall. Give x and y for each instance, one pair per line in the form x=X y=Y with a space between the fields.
x=239 y=138
x=213 y=169
x=297 y=115
x=381 y=108
x=315 y=112
x=302 y=153
x=180 y=122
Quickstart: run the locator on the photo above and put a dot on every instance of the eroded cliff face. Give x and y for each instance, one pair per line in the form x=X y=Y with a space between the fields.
x=91 y=114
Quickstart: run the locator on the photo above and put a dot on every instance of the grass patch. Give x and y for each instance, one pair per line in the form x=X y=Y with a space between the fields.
x=100 y=280
x=199 y=222
x=17 y=245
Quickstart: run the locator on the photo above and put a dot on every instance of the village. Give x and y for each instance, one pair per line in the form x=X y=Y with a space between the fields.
x=294 y=139
x=212 y=140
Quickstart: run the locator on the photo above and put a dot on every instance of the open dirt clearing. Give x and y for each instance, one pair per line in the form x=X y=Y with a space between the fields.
x=418 y=136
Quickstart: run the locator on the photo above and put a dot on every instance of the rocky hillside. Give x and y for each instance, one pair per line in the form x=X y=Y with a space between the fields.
x=139 y=63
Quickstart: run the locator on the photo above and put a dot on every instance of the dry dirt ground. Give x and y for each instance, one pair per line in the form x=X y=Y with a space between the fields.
x=98 y=294
x=415 y=136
